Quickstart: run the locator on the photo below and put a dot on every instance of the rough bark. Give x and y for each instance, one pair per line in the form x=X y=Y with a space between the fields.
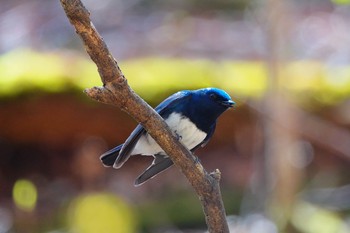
x=116 y=91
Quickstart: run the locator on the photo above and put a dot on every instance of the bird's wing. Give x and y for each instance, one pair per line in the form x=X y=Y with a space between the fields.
x=163 y=109
x=170 y=103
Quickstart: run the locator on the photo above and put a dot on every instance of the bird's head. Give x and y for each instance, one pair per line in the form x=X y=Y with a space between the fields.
x=210 y=103
x=205 y=106
x=215 y=98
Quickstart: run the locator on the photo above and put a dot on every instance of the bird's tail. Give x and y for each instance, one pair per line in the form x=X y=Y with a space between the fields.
x=108 y=158
x=160 y=163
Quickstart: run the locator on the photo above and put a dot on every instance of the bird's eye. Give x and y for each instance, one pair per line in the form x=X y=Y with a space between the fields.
x=213 y=96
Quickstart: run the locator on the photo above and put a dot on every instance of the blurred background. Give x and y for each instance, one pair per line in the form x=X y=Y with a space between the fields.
x=284 y=151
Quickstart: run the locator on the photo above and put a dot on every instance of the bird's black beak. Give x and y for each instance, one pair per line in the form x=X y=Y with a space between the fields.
x=228 y=103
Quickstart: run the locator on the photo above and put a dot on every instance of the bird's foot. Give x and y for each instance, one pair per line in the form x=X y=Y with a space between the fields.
x=178 y=136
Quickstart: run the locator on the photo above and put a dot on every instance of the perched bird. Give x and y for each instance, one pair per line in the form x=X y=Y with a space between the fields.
x=191 y=115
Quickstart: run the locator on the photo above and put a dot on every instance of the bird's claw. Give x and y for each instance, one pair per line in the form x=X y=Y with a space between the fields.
x=178 y=136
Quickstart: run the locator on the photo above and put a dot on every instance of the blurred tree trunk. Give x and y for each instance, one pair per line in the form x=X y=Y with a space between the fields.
x=281 y=143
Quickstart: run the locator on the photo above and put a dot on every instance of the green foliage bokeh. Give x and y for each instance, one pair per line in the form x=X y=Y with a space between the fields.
x=23 y=71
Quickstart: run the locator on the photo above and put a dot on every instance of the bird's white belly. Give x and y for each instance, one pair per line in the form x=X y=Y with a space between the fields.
x=189 y=135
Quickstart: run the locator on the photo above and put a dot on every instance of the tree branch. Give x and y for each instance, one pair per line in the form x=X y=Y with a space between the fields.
x=116 y=91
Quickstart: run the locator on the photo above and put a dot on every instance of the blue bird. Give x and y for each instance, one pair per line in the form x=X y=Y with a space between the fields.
x=191 y=115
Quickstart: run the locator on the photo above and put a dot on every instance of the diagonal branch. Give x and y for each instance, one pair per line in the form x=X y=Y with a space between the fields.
x=116 y=91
